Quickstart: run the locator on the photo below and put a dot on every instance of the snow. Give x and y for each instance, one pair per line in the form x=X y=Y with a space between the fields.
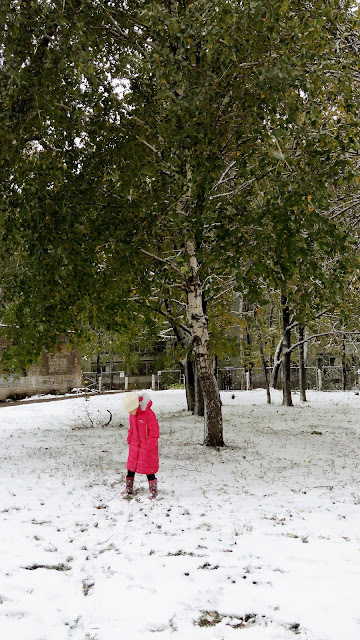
x=258 y=540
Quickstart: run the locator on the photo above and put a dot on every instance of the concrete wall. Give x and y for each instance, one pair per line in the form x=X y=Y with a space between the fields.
x=54 y=374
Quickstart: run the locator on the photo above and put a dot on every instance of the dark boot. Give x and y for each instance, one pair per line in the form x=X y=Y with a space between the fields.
x=129 y=489
x=153 y=488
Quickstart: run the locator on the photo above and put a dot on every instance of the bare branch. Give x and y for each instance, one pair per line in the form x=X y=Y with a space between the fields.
x=222 y=293
x=166 y=261
x=317 y=335
x=108 y=422
x=223 y=175
x=281 y=153
x=243 y=186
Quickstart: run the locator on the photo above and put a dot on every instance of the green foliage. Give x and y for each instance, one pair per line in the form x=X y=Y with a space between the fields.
x=232 y=128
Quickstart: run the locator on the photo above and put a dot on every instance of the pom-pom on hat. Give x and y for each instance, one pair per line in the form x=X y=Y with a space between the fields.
x=130 y=401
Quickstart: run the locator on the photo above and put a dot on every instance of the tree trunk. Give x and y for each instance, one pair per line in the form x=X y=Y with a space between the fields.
x=248 y=364
x=277 y=364
x=286 y=359
x=343 y=362
x=199 y=328
x=306 y=348
x=188 y=367
x=199 y=407
x=302 y=370
x=215 y=366
x=258 y=330
x=271 y=317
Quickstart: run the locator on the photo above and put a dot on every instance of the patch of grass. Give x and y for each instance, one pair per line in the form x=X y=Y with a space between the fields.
x=172 y=624
x=243 y=621
x=185 y=553
x=207 y=565
x=87 y=585
x=209 y=619
x=54 y=567
x=212 y=618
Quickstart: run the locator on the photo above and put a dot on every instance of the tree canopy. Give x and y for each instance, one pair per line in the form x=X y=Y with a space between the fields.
x=150 y=145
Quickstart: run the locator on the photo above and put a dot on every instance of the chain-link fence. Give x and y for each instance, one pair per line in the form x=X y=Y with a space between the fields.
x=332 y=378
x=169 y=378
x=90 y=380
x=311 y=375
x=233 y=378
x=325 y=379
x=103 y=381
x=229 y=378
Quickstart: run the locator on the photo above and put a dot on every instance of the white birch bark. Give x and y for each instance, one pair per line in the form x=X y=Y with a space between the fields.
x=277 y=363
x=199 y=329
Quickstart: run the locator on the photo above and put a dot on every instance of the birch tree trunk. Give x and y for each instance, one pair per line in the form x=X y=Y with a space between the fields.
x=302 y=370
x=286 y=359
x=200 y=335
x=277 y=364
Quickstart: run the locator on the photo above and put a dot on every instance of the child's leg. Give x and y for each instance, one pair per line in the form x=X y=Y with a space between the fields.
x=129 y=489
x=152 y=485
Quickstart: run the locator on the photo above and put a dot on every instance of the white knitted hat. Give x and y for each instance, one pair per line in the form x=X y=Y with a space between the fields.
x=130 y=401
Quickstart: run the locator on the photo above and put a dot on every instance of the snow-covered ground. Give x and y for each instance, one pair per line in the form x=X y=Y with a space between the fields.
x=259 y=540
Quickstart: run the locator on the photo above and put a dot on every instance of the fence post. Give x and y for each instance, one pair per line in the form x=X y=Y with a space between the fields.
x=153 y=382
x=99 y=382
x=319 y=376
x=126 y=383
x=247 y=380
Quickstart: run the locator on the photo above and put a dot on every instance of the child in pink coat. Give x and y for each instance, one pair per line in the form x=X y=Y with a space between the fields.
x=142 y=439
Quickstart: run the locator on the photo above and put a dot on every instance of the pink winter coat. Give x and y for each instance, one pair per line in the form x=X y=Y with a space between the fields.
x=143 y=439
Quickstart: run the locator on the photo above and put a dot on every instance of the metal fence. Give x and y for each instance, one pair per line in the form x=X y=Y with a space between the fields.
x=89 y=380
x=169 y=378
x=229 y=378
x=331 y=378
x=103 y=381
x=116 y=381
x=325 y=379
